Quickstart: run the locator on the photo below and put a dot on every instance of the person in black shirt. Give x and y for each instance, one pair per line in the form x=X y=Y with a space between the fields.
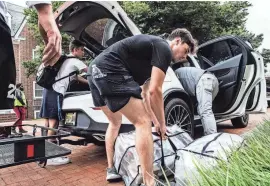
x=115 y=79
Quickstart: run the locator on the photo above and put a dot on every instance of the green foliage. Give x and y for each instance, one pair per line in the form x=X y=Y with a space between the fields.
x=266 y=56
x=248 y=166
x=205 y=20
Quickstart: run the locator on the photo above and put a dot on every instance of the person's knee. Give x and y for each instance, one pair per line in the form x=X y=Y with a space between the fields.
x=115 y=120
x=142 y=121
x=206 y=112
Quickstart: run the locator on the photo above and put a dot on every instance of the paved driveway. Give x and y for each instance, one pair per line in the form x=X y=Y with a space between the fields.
x=88 y=167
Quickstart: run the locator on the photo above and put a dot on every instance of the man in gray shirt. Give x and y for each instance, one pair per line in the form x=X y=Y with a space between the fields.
x=204 y=86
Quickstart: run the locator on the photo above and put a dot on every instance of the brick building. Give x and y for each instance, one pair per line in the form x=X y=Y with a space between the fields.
x=24 y=46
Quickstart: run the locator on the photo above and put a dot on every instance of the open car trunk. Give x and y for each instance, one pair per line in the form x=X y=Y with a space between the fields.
x=99 y=24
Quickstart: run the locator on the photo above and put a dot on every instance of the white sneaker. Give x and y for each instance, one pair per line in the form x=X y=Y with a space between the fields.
x=58 y=161
x=112 y=175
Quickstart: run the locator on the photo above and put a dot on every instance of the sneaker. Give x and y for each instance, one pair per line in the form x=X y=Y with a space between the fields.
x=22 y=131
x=13 y=130
x=58 y=161
x=112 y=175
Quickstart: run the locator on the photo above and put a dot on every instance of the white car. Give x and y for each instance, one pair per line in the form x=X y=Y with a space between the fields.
x=237 y=66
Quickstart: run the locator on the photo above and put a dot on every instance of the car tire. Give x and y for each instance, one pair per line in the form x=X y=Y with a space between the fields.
x=240 y=122
x=178 y=112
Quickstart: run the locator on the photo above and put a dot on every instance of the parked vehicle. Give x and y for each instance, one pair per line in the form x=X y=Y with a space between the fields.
x=267 y=78
x=237 y=66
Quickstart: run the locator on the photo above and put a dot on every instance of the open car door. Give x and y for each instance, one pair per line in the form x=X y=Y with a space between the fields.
x=240 y=73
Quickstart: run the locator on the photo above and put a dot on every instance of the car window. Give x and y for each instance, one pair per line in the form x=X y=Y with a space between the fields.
x=216 y=52
x=235 y=48
x=106 y=31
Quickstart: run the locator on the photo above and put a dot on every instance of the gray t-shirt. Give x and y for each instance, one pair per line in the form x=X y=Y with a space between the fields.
x=70 y=65
x=189 y=78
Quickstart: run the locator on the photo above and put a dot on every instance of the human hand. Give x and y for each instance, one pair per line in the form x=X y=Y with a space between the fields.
x=53 y=49
x=161 y=130
x=50 y=33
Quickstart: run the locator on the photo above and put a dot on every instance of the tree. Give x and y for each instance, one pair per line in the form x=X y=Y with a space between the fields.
x=266 y=56
x=205 y=20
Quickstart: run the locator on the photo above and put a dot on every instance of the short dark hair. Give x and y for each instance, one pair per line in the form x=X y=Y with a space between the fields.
x=186 y=37
x=75 y=44
x=18 y=85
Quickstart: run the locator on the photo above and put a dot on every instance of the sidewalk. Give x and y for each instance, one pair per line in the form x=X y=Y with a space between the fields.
x=88 y=168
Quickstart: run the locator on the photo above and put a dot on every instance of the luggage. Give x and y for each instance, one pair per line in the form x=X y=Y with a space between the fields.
x=204 y=152
x=126 y=160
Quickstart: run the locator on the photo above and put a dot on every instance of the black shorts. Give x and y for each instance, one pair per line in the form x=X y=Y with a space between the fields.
x=7 y=67
x=113 y=89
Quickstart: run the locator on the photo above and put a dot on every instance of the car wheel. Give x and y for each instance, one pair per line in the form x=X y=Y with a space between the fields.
x=177 y=112
x=240 y=122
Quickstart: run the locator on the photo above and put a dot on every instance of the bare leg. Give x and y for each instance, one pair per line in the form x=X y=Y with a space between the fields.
x=136 y=113
x=46 y=122
x=45 y=132
x=115 y=120
x=53 y=123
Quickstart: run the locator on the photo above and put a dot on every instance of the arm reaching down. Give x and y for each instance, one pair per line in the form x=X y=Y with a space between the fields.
x=146 y=101
x=156 y=99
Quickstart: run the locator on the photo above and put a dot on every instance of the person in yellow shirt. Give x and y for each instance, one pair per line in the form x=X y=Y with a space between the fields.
x=19 y=108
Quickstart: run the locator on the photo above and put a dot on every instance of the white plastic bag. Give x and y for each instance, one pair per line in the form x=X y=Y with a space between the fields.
x=126 y=159
x=205 y=151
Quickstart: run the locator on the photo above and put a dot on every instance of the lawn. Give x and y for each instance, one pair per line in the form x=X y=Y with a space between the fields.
x=249 y=166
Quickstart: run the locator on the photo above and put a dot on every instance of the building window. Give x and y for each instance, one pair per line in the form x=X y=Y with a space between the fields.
x=36 y=114
x=37 y=90
x=35 y=53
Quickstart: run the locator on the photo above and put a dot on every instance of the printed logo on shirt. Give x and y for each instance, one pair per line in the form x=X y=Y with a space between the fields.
x=96 y=72
x=11 y=91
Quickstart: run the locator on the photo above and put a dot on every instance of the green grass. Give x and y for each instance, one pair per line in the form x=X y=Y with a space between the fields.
x=249 y=166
